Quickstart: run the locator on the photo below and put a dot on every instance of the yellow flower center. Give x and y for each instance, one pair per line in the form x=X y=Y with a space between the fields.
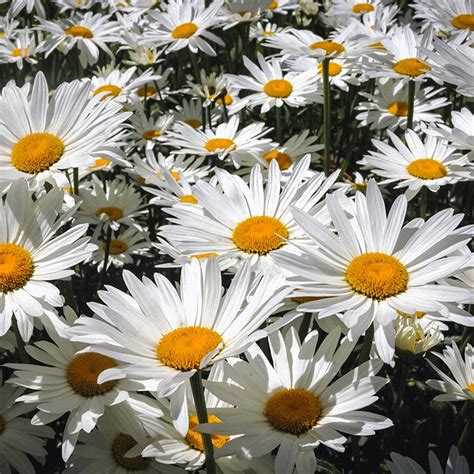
x=185 y=30
x=378 y=45
x=120 y=446
x=418 y=314
x=149 y=90
x=36 y=152
x=113 y=213
x=185 y=348
x=412 y=67
x=279 y=88
x=427 y=168
x=362 y=8
x=2 y=34
x=194 y=438
x=108 y=90
x=470 y=387
x=377 y=275
x=151 y=134
x=333 y=70
x=200 y=256
x=258 y=234
x=362 y=187
x=20 y=52
x=331 y=47
x=117 y=247
x=399 y=109
x=16 y=267
x=215 y=144
x=463 y=22
x=284 y=160
x=100 y=163
x=188 y=198
x=83 y=370
x=273 y=5
x=227 y=100
x=195 y=123
x=293 y=410
x=79 y=32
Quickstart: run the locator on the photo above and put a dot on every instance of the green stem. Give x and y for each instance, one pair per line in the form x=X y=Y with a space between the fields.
x=75 y=180
x=22 y=354
x=195 y=66
x=278 y=123
x=466 y=335
x=423 y=202
x=411 y=103
x=467 y=431
x=401 y=389
x=106 y=257
x=326 y=116
x=364 y=353
x=201 y=411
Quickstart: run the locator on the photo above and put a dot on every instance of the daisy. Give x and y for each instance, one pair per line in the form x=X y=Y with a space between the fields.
x=66 y=382
x=374 y=267
x=89 y=32
x=432 y=163
x=209 y=87
x=41 y=136
x=149 y=131
x=248 y=221
x=354 y=8
x=261 y=30
x=272 y=87
x=19 y=49
x=32 y=255
x=163 y=337
x=185 y=24
x=16 y=6
x=412 y=339
x=291 y=404
x=462 y=387
x=225 y=140
x=190 y=112
x=388 y=107
x=235 y=12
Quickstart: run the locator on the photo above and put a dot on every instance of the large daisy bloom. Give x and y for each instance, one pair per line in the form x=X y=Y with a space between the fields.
x=248 y=221
x=32 y=255
x=40 y=136
x=462 y=386
x=163 y=336
x=374 y=267
x=430 y=163
x=292 y=404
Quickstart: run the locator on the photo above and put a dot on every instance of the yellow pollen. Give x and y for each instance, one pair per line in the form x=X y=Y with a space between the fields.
x=377 y=275
x=293 y=410
x=272 y=6
x=268 y=33
x=20 y=52
x=120 y=446
x=117 y=247
x=185 y=30
x=427 y=168
x=227 y=100
x=362 y=8
x=470 y=387
x=194 y=438
x=151 y=134
x=279 y=88
x=108 y=90
x=417 y=314
x=185 y=348
x=399 y=109
x=412 y=67
x=2 y=34
x=362 y=187
x=101 y=163
x=329 y=46
x=2 y=425
x=16 y=267
x=258 y=234
x=113 y=213
x=378 y=45
x=188 y=198
x=215 y=144
x=333 y=70
x=200 y=256
x=195 y=123
x=83 y=370
x=36 y=152
x=150 y=90
x=79 y=32
x=463 y=22
x=284 y=160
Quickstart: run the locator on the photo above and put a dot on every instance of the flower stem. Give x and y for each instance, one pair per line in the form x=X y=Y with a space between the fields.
x=423 y=202
x=75 y=180
x=467 y=431
x=326 y=116
x=278 y=123
x=401 y=389
x=106 y=256
x=201 y=410
x=411 y=104
x=364 y=353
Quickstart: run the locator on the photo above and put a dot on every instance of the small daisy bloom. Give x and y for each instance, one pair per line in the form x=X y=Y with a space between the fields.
x=41 y=136
x=21 y=48
x=412 y=339
x=185 y=24
x=248 y=221
x=150 y=131
x=17 y=6
x=262 y=30
x=272 y=87
x=431 y=163
x=353 y=7
x=32 y=255
x=374 y=267
x=462 y=387
x=235 y=12
x=190 y=112
x=209 y=87
x=294 y=404
x=163 y=336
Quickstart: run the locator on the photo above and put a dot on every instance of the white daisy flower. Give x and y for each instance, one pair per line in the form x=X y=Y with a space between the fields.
x=209 y=87
x=462 y=386
x=16 y=6
x=261 y=30
x=19 y=49
x=41 y=136
x=354 y=8
x=32 y=255
x=272 y=87
x=185 y=24
x=163 y=336
x=374 y=267
x=235 y=12
x=292 y=404
x=412 y=339
x=191 y=112
x=149 y=131
x=248 y=221
x=66 y=382
x=416 y=163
